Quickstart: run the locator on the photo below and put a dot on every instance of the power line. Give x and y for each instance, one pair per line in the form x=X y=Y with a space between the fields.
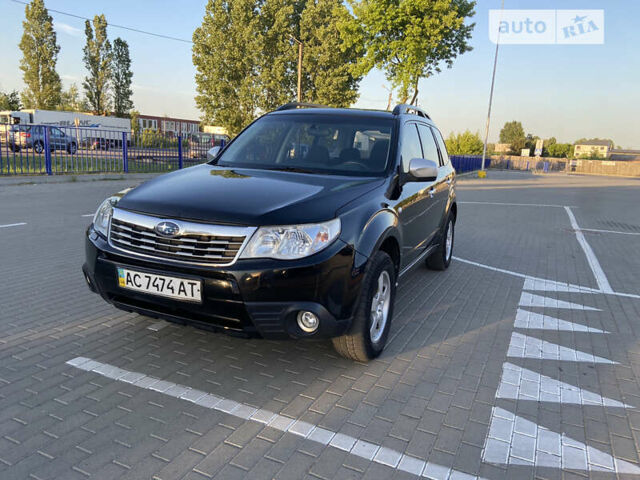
x=167 y=37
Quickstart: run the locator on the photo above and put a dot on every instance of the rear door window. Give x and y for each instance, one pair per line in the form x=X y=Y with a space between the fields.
x=429 y=144
x=442 y=146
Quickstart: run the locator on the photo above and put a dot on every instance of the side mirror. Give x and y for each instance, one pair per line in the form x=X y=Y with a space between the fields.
x=213 y=153
x=423 y=170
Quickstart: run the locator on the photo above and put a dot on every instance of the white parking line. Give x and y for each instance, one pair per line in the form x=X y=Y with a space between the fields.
x=601 y=278
x=368 y=451
x=516 y=204
x=12 y=225
x=608 y=231
x=545 y=284
x=88 y=215
x=519 y=383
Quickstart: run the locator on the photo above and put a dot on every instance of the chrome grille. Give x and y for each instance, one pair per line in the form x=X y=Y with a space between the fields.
x=197 y=243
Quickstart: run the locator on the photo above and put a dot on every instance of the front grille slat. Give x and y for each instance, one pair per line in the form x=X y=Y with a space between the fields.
x=162 y=246
x=196 y=243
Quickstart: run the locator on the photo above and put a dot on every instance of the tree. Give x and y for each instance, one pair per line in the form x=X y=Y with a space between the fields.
x=121 y=76
x=97 y=60
x=410 y=39
x=226 y=51
x=465 y=143
x=70 y=100
x=261 y=74
x=39 y=57
x=513 y=134
x=559 y=150
x=135 y=124
x=329 y=76
x=10 y=101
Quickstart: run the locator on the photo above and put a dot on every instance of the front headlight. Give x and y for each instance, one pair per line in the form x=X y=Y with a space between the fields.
x=289 y=242
x=103 y=215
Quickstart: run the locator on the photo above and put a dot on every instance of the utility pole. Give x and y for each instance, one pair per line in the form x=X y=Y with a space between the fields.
x=300 y=46
x=493 y=81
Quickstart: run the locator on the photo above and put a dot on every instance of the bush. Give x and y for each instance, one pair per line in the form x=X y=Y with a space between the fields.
x=465 y=143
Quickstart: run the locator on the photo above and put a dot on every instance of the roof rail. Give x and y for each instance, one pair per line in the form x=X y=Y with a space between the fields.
x=294 y=105
x=406 y=108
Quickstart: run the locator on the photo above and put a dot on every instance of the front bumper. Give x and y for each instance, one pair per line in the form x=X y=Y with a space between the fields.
x=257 y=297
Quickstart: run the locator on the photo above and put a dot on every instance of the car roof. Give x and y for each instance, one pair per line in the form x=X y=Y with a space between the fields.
x=343 y=112
x=401 y=111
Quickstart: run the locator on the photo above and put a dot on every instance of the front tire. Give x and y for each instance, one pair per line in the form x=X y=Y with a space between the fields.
x=38 y=147
x=368 y=334
x=441 y=258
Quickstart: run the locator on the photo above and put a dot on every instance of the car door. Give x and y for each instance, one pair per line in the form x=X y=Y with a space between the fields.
x=433 y=217
x=57 y=139
x=446 y=174
x=414 y=203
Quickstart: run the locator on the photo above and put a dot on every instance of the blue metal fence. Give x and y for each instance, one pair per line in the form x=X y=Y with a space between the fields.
x=45 y=149
x=468 y=163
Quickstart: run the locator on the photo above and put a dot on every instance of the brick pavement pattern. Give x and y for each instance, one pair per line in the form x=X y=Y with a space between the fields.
x=487 y=374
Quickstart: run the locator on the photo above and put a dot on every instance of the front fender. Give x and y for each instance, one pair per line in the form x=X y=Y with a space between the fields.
x=382 y=225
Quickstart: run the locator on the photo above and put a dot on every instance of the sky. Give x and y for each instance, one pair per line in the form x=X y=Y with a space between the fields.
x=565 y=91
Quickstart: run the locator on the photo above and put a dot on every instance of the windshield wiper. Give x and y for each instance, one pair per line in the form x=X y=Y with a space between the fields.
x=292 y=169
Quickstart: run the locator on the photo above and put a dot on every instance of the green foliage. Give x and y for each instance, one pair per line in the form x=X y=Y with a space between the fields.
x=70 y=100
x=135 y=124
x=39 y=56
x=121 y=76
x=513 y=134
x=97 y=60
x=152 y=139
x=409 y=39
x=329 y=76
x=10 y=101
x=559 y=150
x=246 y=59
x=226 y=53
x=465 y=143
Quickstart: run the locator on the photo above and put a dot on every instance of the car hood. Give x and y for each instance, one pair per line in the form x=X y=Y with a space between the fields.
x=245 y=196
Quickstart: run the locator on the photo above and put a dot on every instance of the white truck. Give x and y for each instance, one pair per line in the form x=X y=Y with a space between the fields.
x=93 y=131
x=65 y=119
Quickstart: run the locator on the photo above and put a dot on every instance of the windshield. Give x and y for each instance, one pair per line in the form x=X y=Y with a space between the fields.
x=313 y=143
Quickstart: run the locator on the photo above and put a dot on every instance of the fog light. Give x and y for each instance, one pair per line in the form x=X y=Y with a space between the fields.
x=308 y=321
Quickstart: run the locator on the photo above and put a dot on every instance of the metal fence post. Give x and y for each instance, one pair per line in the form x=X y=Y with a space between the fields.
x=47 y=152
x=180 y=152
x=125 y=153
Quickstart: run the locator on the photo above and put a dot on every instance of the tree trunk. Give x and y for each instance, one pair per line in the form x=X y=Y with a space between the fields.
x=415 y=95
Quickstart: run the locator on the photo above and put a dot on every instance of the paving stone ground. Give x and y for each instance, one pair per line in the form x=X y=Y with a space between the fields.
x=489 y=373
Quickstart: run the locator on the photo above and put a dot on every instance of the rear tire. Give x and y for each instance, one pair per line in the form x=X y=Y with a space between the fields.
x=367 y=336
x=441 y=258
x=72 y=149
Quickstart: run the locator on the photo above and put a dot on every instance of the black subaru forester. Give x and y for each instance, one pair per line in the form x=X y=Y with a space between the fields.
x=298 y=228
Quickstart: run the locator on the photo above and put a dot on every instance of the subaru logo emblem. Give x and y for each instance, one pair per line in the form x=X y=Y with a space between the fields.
x=167 y=229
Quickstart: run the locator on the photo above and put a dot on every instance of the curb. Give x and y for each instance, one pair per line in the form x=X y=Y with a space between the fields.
x=42 y=179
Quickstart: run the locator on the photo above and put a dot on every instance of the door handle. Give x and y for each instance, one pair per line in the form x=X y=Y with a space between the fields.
x=432 y=191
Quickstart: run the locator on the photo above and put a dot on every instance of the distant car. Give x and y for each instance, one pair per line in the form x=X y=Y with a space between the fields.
x=33 y=137
x=105 y=143
x=199 y=145
x=10 y=136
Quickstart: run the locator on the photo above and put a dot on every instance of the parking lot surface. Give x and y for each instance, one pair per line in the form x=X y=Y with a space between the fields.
x=522 y=360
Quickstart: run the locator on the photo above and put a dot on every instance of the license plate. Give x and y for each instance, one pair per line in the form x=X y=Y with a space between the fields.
x=161 y=285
